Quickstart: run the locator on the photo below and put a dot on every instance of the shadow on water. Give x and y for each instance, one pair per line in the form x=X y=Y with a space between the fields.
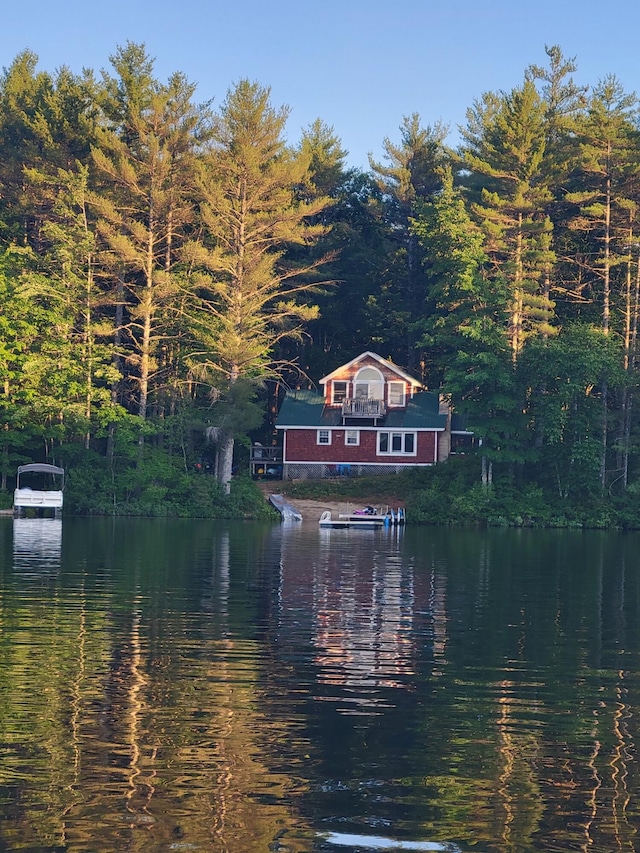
x=180 y=685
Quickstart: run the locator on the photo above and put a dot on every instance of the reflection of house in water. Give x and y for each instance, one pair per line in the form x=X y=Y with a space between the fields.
x=37 y=544
x=365 y=608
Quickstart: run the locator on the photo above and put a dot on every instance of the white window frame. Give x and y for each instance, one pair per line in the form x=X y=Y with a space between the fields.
x=320 y=434
x=403 y=395
x=352 y=433
x=333 y=391
x=371 y=387
x=402 y=435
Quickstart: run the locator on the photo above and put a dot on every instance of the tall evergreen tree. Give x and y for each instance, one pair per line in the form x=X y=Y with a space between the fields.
x=411 y=174
x=252 y=214
x=607 y=158
x=146 y=160
x=45 y=123
x=503 y=150
x=464 y=330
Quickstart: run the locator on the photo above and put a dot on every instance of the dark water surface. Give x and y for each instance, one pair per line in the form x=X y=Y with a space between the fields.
x=199 y=686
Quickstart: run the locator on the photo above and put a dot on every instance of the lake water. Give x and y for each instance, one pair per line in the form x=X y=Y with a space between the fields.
x=204 y=686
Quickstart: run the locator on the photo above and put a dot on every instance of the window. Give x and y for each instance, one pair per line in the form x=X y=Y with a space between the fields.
x=397 y=443
x=339 y=392
x=324 y=436
x=352 y=437
x=368 y=384
x=396 y=393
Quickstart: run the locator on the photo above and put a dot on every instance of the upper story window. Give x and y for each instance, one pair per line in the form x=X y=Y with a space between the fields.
x=397 y=395
x=339 y=390
x=368 y=384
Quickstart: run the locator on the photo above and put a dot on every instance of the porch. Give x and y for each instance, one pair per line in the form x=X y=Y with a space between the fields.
x=265 y=462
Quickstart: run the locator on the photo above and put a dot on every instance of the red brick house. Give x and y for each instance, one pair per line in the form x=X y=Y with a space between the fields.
x=370 y=418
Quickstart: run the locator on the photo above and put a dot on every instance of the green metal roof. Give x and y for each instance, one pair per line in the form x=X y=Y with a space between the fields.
x=307 y=409
x=422 y=412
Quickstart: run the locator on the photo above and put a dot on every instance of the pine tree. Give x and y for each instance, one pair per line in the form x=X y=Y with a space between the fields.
x=606 y=161
x=252 y=214
x=410 y=175
x=146 y=160
x=464 y=329
x=503 y=151
x=46 y=123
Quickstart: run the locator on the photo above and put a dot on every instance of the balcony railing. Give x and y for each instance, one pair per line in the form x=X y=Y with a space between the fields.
x=260 y=453
x=363 y=408
x=265 y=462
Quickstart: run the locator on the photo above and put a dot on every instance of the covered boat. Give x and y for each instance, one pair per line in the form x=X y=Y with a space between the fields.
x=39 y=487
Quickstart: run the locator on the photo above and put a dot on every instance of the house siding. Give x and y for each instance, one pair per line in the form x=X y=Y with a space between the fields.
x=348 y=374
x=301 y=446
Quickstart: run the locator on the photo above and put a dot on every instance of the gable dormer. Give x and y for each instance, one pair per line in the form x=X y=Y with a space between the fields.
x=367 y=387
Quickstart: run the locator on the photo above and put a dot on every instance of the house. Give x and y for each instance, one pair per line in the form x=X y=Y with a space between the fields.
x=371 y=418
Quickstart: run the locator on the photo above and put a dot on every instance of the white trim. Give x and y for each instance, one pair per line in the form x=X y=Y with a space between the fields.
x=355 y=443
x=323 y=443
x=383 y=361
x=404 y=393
x=403 y=433
x=333 y=390
x=335 y=427
x=376 y=464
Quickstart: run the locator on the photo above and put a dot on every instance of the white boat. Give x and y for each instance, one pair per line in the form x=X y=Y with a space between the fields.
x=382 y=516
x=49 y=481
x=364 y=522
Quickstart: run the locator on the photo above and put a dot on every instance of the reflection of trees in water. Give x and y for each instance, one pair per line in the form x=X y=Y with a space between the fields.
x=496 y=703
x=562 y=712
x=139 y=725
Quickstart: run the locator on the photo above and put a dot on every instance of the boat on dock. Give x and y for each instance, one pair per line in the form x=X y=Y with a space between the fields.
x=366 y=519
x=384 y=516
x=362 y=522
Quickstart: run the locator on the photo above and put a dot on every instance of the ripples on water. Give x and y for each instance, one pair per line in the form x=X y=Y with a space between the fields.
x=191 y=686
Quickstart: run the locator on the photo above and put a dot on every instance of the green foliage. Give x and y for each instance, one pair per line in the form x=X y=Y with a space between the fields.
x=451 y=495
x=158 y=262
x=564 y=377
x=503 y=158
x=158 y=487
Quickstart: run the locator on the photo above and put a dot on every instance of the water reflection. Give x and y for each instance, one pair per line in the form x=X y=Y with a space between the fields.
x=365 y=610
x=177 y=685
x=373 y=842
x=37 y=544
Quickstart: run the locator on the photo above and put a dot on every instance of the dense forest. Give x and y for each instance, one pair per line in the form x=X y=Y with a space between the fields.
x=167 y=269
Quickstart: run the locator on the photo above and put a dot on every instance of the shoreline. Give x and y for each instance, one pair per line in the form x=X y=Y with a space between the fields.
x=312 y=508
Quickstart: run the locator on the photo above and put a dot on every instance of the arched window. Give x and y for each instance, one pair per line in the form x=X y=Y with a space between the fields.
x=369 y=384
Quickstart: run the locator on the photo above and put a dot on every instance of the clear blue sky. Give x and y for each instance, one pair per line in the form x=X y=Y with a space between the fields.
x=359 y=65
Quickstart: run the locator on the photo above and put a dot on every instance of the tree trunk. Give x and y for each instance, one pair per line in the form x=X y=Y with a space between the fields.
x=117 y=341
x=225 y=461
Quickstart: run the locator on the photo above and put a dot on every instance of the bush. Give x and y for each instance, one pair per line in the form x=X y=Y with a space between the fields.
x=158 y=487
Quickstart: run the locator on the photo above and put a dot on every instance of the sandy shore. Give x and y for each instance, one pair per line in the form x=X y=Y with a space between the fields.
x=311 y=510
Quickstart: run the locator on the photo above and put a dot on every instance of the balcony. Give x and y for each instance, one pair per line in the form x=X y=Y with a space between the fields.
x=364 y=408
